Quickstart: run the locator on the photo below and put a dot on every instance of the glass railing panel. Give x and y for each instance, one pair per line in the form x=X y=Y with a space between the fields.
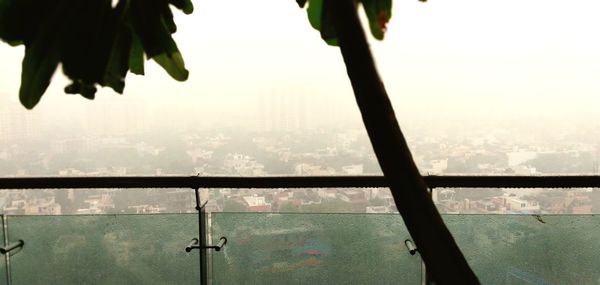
x=530 y=249
x=2 y=256
x=93 y=201
x=268 y=248
x=576 y=201
x=110 y=249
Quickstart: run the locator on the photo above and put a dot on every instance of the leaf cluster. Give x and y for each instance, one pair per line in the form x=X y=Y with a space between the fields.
x=95 y=43
x=378 y=13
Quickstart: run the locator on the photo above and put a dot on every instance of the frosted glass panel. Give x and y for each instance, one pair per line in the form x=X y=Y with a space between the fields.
x=312 y=249
x=122 y=249
x=530 y=249
x=2 y=257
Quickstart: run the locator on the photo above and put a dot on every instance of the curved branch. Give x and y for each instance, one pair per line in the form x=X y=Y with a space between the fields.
x=443 y=259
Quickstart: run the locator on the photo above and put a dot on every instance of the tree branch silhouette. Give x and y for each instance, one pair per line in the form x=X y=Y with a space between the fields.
x=443 y=259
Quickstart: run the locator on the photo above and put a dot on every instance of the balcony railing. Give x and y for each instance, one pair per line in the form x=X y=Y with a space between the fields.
x=195 y=182
x=290 y=248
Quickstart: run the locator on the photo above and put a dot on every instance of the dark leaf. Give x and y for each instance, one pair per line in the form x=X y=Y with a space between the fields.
x=87 y=39
x=118 y=63
x=148 y=21
x=320 y=19
x=301 y=3
x=379 y=13
x=167 y=18
x=42 y=56
x=118 y=59
x=96 y=43
x=328 y=32
x=73 y=88
x=21 y=19
x=136 y=56
x=314 y=11
x=184 y=5
x=173 y=64
x=39 y=64
x=86 y=90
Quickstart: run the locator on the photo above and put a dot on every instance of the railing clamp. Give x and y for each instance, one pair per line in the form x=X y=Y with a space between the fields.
x=195 y=244
x=412 y=249
x=222 y=242
x=12 y=246
x=192 y=245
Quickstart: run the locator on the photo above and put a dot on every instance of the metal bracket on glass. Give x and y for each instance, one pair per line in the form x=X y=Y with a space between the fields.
x=12 y=246
x=195 y=244
x=412 y=249
x=222 y=242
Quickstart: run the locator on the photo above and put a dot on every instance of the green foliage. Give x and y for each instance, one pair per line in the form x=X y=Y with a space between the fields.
x=378 y=12
x=320 y=19
x=97 y=44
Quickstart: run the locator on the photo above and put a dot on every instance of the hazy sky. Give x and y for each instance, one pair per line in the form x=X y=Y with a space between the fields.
x=440 y=59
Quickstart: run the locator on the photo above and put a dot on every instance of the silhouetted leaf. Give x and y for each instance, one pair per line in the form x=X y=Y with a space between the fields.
x=167 y=19
x=328 y=32
x=301 y=3
x=7 y=32
x=39 y=64
x=118 y=63
x=379 y=13
x=320 y=19
x=87 y=90
x=136 y=56
x=96 y=43
x=118 y=58
x=184 y=5
x=314 y=10
x=173 y=64
x=42 y=56
x=149 y=23
x=87 y=39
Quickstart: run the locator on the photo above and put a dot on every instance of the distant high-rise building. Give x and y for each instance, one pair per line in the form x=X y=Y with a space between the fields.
x=116 y=118
x=294 y=109
x=16 y=122
x=280 y=111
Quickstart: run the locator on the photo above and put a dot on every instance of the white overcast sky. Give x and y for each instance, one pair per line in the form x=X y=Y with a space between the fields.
x=443 y=58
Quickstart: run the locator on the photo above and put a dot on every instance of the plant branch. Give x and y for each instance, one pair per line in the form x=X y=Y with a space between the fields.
x=443 y=259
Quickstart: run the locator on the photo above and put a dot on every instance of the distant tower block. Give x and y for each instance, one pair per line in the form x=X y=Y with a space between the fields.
x=282 y=111
x=16 y=123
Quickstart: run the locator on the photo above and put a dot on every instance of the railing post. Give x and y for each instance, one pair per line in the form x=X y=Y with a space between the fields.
x=7 y=255
x=201 y=239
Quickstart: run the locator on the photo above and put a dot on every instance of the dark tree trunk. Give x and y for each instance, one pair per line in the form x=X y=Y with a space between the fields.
x=443 y=259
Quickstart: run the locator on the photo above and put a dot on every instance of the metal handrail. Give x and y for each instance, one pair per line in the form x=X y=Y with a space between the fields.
x=194 y=182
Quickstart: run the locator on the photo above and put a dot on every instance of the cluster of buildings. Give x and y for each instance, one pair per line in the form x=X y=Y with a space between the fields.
x=510 y=201
x=290 y=146
x=363 y=200
x=51 y=204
